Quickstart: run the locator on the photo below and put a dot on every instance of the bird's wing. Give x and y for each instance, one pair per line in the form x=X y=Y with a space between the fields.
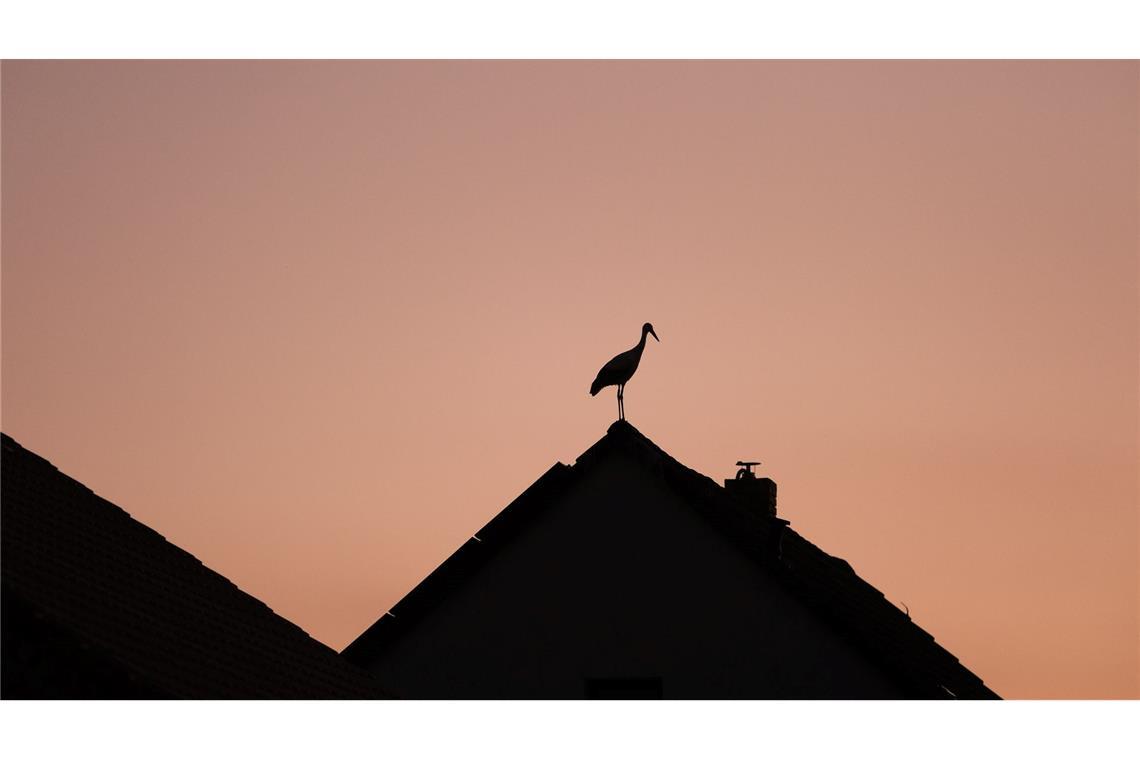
x=603 y=378
x=616 y=370
x=616 y=366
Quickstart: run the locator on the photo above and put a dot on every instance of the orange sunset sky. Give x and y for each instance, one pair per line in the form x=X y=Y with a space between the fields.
x=317 y=322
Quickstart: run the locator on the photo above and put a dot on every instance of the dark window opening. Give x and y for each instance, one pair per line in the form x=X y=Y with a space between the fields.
x=624 y=688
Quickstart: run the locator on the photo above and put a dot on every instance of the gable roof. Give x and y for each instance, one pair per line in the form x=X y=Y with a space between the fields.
x=144 y=608
x=826 y=584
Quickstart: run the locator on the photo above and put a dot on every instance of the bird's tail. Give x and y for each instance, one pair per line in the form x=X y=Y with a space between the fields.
x=597 y=386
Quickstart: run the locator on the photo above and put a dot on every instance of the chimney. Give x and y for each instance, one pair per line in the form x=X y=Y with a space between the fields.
x=759 y=493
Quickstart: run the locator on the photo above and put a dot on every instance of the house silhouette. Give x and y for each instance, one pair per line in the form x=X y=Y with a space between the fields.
x=625 y=575
x=98 y=605
x=628 y=574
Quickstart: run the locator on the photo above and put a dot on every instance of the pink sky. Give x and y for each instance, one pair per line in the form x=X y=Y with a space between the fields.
x=317 y=322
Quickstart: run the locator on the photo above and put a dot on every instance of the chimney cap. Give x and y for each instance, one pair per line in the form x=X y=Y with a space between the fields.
x=746 y=471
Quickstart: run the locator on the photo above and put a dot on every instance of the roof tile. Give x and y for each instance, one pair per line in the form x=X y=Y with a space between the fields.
x=123 y=590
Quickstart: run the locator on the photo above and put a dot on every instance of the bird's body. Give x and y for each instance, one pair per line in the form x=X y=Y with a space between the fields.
x=618 y=370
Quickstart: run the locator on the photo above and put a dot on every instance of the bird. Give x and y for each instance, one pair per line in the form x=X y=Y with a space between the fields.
x=618 y=370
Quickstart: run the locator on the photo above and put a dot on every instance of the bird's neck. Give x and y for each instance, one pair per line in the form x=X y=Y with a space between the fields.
x=641 y=343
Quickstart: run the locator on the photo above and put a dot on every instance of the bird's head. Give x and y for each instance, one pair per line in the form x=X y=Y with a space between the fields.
x=648 y=328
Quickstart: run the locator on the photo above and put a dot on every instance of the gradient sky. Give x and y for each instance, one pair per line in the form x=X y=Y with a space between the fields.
x=317 y=322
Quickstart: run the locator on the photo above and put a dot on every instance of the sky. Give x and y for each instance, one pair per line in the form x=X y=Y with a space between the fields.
x=318 y=322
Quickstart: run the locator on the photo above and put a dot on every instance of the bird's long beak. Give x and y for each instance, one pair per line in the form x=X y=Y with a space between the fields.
x=654 y=335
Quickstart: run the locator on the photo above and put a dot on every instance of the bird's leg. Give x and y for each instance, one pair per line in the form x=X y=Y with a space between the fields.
x=621 y=401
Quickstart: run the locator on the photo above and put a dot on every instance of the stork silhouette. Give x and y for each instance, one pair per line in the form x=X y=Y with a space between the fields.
x=620 y=369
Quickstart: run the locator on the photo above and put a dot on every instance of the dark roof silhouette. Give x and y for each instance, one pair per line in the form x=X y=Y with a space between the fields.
x=826 y=584
x=97 y=604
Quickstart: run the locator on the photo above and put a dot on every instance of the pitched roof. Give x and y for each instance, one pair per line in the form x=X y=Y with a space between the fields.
x=826 y=584
x=143 y=606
